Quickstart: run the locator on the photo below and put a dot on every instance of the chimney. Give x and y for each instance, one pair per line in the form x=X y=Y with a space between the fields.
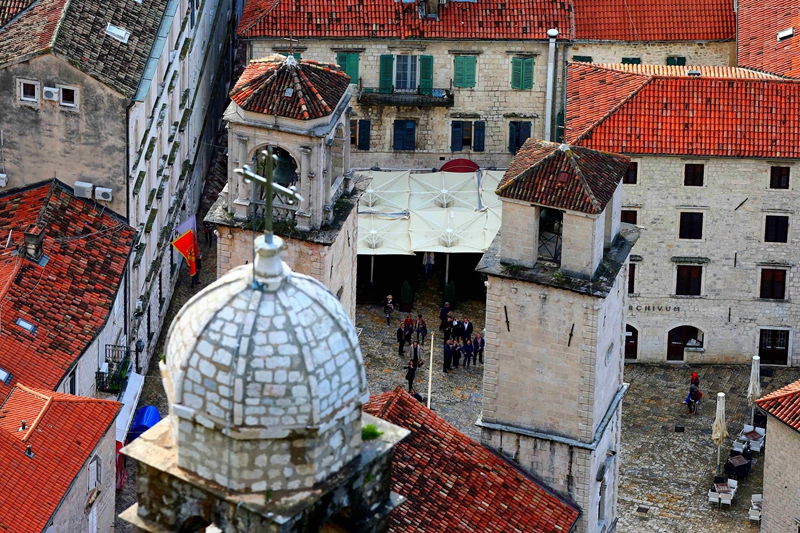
x=22 y=427
x=28 y=451
x=34 y=238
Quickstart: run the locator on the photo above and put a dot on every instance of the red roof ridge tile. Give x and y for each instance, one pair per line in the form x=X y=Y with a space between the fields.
x=788 y=390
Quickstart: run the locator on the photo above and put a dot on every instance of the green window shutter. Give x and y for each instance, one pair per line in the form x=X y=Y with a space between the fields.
x=341 y=60
x=516 y=73
x=583 y=59
x=631 y=61
x=527 y=73
x=295 y=54
x=387 y=69
x=676 y=61
x=469 y=71
x=426 y=74
x=458 y=71
x=352 y=67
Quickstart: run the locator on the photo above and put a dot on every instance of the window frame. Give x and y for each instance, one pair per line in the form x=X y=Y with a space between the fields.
x=469 y=64
x=61 y=102
x=525 y=82
x=634 y=165
x=702 y=226
x=628 y=210
x=772 y=177
x=771 y=295
x=676 y=61
x=686 y=167
x=631 y=279
x=582 y=59
x=701 y=283
x=631 y=61
x=765 y=228
x=349 y=66
x=21 y=99
x=405 y=137
x=71 y=383
x=98 y=472
x=411 y=70
x=518 y=132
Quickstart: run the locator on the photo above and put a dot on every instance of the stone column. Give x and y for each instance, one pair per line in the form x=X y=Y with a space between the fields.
x=303 y=215
x=327 y=183
x=240 y=191
x=348 y=175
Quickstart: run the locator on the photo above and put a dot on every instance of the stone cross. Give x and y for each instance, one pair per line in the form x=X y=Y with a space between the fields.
x=270 y=187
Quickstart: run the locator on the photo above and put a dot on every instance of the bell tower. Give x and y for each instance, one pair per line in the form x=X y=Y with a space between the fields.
x=555 y=323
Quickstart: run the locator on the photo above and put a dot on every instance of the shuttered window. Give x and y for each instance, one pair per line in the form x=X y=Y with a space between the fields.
x=773 y=283
x=426 y=75
x=582 y=59
x=777 y=229
x=631 y=61
x=349 y=63
x=464 y=71
x=387 y=71
x=676 y=61
x=691 y=226
x=779 y=178
x=405 y=132
x=689 y=280
x=467 y=134
x=363 y=134
x=478 y=136
x=522 y=73
x=518 y=133
x=406 y=76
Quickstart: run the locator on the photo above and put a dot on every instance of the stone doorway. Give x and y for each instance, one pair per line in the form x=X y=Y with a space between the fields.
x=681 y=338
x=631 y=343
x=773 y=346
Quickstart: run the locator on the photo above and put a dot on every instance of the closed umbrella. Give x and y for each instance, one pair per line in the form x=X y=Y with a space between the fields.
x=719 y=431
x=754 y=389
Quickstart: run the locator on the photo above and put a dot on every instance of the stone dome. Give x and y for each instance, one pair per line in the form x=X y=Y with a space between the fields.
x=265 y=379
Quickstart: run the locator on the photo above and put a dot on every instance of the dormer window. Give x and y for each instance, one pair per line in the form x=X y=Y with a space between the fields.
x=120 y=34
x=785 y=34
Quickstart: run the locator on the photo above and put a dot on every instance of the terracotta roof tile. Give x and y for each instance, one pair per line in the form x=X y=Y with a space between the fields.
x=655 y=20
x=758 y=45
x=76 y=30
x=454 y=484
x=784 y=404
x=11 y=8
x=484 y=19
x=316 y=88
x=683 y=115
x=564 y=177
x=67 y=431
x=69 y=299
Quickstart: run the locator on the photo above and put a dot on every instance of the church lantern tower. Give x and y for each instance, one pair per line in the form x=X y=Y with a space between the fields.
x=555 y=323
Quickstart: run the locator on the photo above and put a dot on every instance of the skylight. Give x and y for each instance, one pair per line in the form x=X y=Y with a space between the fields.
x=5 y=377
x=289 y=92
x=120 y=34
x=24 y=324
x=785 y=34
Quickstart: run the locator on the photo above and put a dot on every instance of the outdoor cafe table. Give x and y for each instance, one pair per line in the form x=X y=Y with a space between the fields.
x=752 y=435
x=738 y=460
x=722 y=488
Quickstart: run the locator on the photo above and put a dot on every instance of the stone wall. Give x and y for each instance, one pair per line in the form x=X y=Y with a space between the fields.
x=656 y=53
x=333 y=265
x=72 y=513
x=781 y=507
x=734 y=200
x=520 y=226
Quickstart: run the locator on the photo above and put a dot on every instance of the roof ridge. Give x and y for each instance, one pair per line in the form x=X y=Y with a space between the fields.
x=314 y=90
x=61 y=17
x=394 y=396
x=574 y=163
x=259 y=18
x=778 y=394
x=528 y=170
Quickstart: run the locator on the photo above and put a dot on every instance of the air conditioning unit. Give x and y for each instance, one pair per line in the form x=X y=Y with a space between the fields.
x=3 y=179
x=102 y=193
x=50 y=93
x=83 y=189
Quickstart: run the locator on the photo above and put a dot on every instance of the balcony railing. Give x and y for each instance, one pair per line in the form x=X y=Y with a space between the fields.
x=437 y=98
x=113 y=374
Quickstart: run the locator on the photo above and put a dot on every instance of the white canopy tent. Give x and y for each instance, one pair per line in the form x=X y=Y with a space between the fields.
x=401 y=213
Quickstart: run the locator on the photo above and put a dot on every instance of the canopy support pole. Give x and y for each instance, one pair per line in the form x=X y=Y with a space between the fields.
x=430 y=372
x=447 y=269
x=371 y=268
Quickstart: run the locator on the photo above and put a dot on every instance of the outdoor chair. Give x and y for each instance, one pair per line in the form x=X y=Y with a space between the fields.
x=755 y=515
x=730 y=470
x=738 y=446
x=747 y=429
x=725 y=499
x=742 y=471
x=756 y=445
x=732 y=483
x=761 y=431
x=747 y=455
x=734 y=453
x=756 y=498
x=713 y=497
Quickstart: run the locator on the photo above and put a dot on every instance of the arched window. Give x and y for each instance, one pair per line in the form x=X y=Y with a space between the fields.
x=680 y=338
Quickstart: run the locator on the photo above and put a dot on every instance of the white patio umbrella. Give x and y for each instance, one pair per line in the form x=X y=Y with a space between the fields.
x=719 y=431
x=754 y=389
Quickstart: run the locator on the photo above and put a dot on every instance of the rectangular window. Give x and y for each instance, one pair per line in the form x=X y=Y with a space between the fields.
x=691 y=226
x=464 y=71
x=631 y=278
x=28 y=91
x=521 y=73
x=466 y=134
x=72 y=383
x=676 y=61
x=363 y=133
x=582 y=59
x=68 y=97
x=693 y=174
x=518 y=133
x=406 y=75
x=386 y=71
x=688 y=282
x=478 y=136
x=353 y=132
x=631 y=61
x=773 y=283
x=405 y=132
x=349 y=63
x=779 y=178
x=776 y=229
x=629 y=216
x=632 y=175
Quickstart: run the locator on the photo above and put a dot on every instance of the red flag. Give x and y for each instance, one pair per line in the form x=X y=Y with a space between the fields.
x=186 y=245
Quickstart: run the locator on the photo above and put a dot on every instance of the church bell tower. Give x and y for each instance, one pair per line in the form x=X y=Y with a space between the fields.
x=555 y=323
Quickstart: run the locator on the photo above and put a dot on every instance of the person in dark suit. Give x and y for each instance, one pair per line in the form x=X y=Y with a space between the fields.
x=448 y=355
x=448 y=329
x=401 y=341
x=445 y=311
x=467 y=326
x=456 y=352
x=458 y=330
x=478 y=345
x=416 y=353
x=416 y=395
x=469 y=351
x=411 y=372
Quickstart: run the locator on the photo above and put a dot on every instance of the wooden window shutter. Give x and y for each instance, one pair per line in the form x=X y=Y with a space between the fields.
x=512 y=137
x=363 y=134
x=352 y=67
x=469 y=71
x=399 y=134
x=411 y=135
x=456 y=136
x=479 y=135
x=426 y=75
x=516 y=72
x=524 y=132
x=458 y=72
x=387 y=70
x=527 y=73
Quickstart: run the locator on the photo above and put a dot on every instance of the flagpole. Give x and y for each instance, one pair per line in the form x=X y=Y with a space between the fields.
x=430 y=372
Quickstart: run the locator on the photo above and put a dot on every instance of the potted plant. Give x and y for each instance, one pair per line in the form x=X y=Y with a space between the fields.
x=406 y=297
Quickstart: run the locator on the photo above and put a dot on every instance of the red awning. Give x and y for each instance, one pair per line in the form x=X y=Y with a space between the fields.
x=460 y=165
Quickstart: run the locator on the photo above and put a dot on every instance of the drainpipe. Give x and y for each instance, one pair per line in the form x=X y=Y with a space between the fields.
x=552 y=33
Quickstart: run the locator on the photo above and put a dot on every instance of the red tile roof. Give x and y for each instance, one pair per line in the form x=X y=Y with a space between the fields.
x=316 y=88
x=758 y=45
x=564 y=177
x=11 y=8
x=655 y=20
x=67 y=300
x=454 y=484
x=784 y=404
x=711 y=115
x=62 y=431
x=32 y=33
x=483 y=19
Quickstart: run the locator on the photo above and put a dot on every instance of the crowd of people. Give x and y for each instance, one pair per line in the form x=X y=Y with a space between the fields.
x=463 y=346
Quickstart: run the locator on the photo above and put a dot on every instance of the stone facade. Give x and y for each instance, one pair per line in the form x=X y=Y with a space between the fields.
x=73 y=512
x=781 y=504
x=491 y=100
x=735 y=200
